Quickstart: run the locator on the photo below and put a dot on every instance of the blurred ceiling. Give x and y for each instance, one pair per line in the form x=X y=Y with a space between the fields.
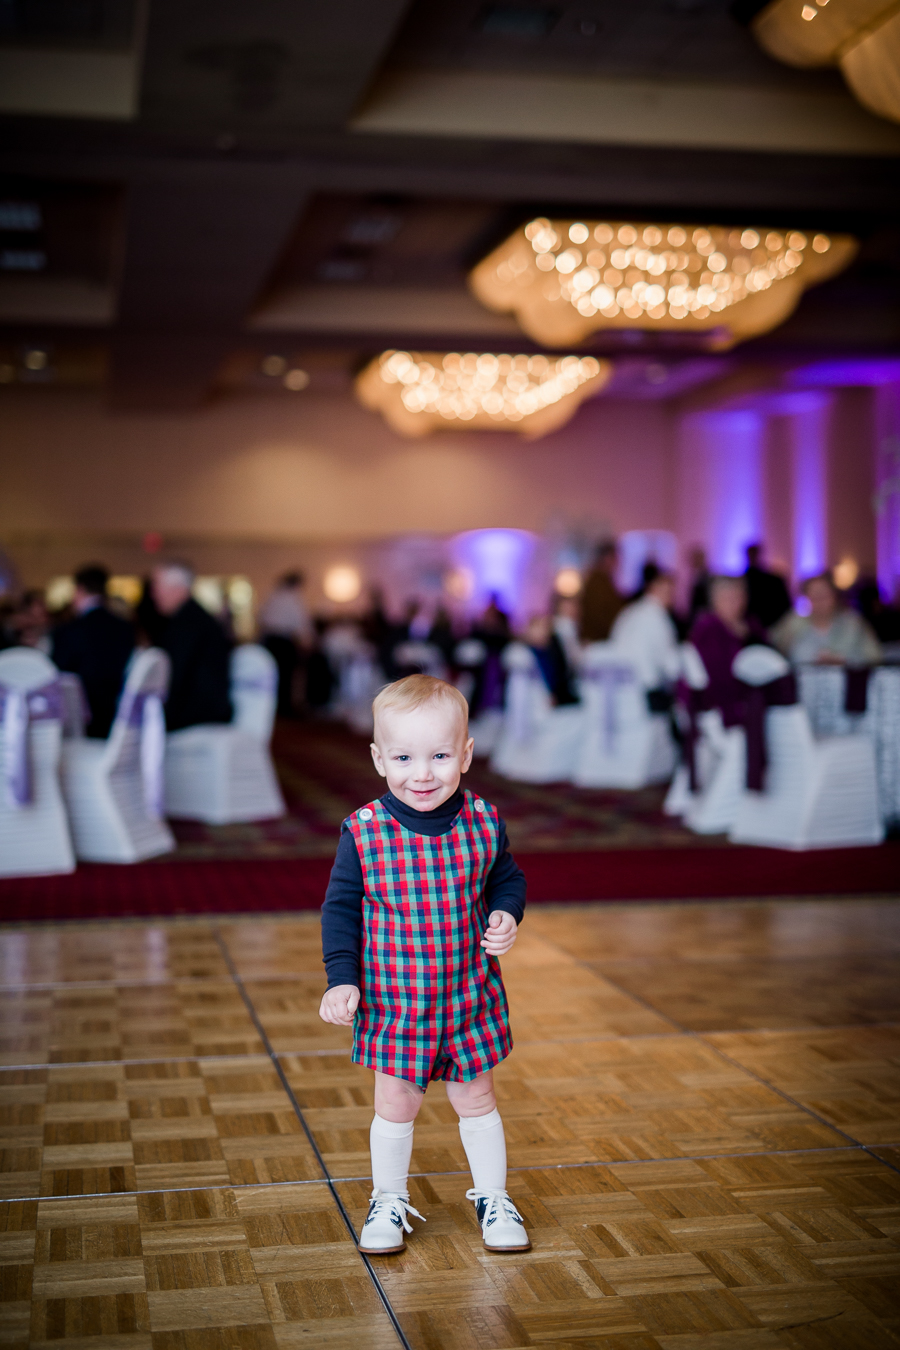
x=185 y=185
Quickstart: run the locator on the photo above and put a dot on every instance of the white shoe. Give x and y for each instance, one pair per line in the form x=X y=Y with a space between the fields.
x=501 y=1223
x=385 y=1224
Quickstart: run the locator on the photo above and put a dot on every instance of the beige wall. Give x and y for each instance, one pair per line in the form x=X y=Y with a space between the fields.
x=254 y=485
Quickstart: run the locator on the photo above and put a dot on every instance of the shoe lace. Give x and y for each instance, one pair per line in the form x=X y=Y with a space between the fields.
x=495 y=1200
x=398 y=1203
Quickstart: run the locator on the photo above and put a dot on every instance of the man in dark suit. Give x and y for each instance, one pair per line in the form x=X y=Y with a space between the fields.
x=96 y=646
x=768 y=598
x=198 y=649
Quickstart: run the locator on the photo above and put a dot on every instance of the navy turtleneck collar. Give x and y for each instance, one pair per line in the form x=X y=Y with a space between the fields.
x=432 y=823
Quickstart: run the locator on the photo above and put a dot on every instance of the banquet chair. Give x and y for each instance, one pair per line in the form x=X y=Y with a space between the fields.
x=720 y=763
x=818 y=793
x=254 y=689
x=34 y=830
x=538 y=743
x=113 y=787
x=484 y=728
x=223 y=774
x=623 y=745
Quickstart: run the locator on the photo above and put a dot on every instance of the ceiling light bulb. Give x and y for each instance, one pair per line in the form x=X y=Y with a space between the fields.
x=807 y=12
x=296 y=379
x=578 y=233
x=273 y=365
x=821 y=243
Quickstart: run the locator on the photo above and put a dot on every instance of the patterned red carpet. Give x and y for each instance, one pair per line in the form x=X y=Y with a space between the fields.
x=573 y=844
x=326 y=772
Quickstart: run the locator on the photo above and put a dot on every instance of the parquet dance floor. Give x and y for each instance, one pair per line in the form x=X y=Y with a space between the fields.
x=702 y=1109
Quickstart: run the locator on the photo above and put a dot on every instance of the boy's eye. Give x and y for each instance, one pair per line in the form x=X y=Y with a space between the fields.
x=442 y=754
x=401 y=758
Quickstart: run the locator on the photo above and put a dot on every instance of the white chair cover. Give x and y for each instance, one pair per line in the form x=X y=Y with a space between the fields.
x=254 y=689
x=223 y=774
x=759 y=665
x=693 y=671
x=538 y=743
x=623 y=744
x=114 y=788
x=818 y=794
x=34 y=831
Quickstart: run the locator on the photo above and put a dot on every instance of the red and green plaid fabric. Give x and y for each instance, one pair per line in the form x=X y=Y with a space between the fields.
x=432 y=1001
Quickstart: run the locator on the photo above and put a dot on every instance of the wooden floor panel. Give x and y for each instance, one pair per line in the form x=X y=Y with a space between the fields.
x=771 y=992
x=141 y=952
x=710 y=931
x=258 y=1267
x=81 y=1024
x=707 y=1253
x=677 y=1110
x=100 y=1128
x=850 y=1076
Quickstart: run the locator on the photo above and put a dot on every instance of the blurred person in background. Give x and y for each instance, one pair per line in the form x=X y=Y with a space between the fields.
x=700 y=582
x=198 y=649
x=552 y=660
x=718 y=636
x=882 y=618
x=29 y=624
x=600 y=601
x=492 y=629
x=830 y=634
x=565 y=626
x=96 y=645
x=287 y=631
x=768 y=598
x=645 y=634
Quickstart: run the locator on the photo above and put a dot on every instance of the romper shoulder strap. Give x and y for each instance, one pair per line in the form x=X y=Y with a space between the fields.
x=360 y=820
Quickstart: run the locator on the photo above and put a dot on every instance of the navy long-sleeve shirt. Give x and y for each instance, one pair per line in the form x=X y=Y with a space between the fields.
x=342 y=911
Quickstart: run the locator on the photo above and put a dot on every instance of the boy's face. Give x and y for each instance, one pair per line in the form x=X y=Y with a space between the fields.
x=422 y=753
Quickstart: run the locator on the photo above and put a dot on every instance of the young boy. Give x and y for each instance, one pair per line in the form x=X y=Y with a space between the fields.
x=424 y=897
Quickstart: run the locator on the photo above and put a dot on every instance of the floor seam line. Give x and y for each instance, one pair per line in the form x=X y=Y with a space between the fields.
x=379 y=1289
x=785 y=1096
x=447 y=1172
x=701 y=1037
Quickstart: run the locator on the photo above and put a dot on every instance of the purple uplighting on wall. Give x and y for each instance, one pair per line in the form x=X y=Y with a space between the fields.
x=809 y=483
x=722 y=467
x=887 y=488
x=846 y=373
x=498 y=563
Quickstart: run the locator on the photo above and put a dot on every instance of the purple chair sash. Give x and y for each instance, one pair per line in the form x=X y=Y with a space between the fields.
x=780 y=693
x=609 y=679
x=144 y=711
x=856 y=688
x=18 y=709
x=255 y=684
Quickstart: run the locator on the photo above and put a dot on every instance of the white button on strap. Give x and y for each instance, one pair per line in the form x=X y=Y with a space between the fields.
x=365 y=814
x=478 y=804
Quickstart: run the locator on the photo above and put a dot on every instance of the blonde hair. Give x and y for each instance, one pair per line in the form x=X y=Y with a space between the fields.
x=417 y=691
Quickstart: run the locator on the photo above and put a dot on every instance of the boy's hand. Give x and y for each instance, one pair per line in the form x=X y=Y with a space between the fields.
x=500 y=933
x=339 y=1004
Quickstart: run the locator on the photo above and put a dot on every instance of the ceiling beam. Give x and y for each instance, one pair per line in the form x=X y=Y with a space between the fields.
x=199 y=247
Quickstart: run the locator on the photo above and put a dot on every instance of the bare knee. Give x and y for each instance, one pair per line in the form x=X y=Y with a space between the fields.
x=473 y=1099
x=396 y=1099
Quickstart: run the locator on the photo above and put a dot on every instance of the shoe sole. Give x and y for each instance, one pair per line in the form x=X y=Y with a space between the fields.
x=381 y=1251
x=526 y=1247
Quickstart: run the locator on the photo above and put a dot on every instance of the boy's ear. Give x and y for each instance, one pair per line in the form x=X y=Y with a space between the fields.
x=467 y=754
x=377 y=760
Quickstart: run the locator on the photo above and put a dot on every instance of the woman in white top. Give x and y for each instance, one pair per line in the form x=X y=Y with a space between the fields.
x=645 y=634
x=829 y=635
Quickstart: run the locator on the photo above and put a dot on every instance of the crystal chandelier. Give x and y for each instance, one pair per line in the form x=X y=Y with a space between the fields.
x=421 y=392
x=565 y=279
x=862 y=37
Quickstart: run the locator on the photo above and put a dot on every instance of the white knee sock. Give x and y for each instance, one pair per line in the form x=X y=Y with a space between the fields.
x=483 y=1139
x=391 y=1146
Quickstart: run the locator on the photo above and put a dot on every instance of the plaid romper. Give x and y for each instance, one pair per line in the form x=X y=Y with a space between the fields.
x=432 y=1001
